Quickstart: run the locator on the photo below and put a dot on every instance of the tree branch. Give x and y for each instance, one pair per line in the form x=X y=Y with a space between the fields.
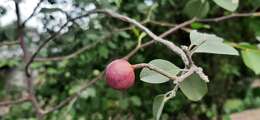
x=156 y=38
x=30 y=89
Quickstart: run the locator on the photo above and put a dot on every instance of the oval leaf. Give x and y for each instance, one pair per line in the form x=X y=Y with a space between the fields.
x=194 y=88
x=210 y=43
x=230 y=5
x=196 y=8
x=151 y=76
x=251 y=59
x=158 y=105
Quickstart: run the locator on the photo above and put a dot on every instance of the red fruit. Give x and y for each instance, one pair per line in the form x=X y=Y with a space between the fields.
x=120 y=74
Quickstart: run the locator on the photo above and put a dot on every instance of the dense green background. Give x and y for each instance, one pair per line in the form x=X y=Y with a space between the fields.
x=229 y=90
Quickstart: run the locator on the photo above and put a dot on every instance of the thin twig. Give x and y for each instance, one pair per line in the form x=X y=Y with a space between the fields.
x=172 y=93
x=76 y=53
x=9 y=43
x=9 y=102
x=154 y=68
x=33 y=13
x=234 y=15
x=167 y=24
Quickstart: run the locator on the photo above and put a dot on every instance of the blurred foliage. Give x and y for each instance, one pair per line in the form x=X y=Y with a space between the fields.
x=229 y=90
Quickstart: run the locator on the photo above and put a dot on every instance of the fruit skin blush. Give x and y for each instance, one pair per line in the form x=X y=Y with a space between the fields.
x=120 y=74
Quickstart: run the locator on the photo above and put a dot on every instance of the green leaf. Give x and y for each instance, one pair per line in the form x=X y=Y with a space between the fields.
x=194 y=88
x=74 y=89
x=230 y=5
x=210 y=43
x=129 y=45
x=124 y=34
x=255 y=4
x=151 y=76
x=233 y=105
x=50 y=10
x=136 y=101
x=246 y=46
x=158 y=104
x=124 y=104
x=89 y=92
x=197 y=25
x=142 y=8
x=103 y=51
x=251 y=59
x=136 y=31
x=118 y=2
x=254 y=25
x=197 y=8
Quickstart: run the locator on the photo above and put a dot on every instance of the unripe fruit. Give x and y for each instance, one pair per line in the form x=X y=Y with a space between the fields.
x=120 y=74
